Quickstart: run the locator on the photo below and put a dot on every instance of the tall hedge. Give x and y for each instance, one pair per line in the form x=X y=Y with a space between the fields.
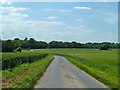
x=11 y=60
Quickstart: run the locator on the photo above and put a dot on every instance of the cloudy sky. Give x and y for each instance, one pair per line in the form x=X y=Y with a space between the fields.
x=62 y=21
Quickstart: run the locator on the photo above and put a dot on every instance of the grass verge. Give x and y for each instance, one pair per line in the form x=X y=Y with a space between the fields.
x=26 y=75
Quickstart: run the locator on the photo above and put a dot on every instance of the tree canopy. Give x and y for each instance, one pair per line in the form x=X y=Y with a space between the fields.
x=11 y=45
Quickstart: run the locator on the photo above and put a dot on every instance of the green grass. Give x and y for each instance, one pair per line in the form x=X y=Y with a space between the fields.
x=101 y=64
x=25 y=75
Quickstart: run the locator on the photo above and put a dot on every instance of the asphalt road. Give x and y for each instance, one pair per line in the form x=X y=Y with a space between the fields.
x=62 y=74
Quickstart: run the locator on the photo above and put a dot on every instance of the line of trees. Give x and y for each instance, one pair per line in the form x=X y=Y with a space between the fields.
x=11 y=45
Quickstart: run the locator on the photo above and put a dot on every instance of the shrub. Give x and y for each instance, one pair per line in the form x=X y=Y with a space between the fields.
x=28 y=48
x=18 y=49
x=104 y=47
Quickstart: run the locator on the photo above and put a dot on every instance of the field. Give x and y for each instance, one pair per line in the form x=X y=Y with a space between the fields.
x=101 y=64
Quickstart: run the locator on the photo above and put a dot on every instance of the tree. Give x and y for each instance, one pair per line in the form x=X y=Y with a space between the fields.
x=104 y=47
x=0 y=45
x=75 y=44
x=8 y=46
x=31 y=42
x=68 y=45
x=17 y=43
x=16 y=39
x=25 y=44
x=119 y=45
x=56 y=44
x=26 y=39
x=41 y=44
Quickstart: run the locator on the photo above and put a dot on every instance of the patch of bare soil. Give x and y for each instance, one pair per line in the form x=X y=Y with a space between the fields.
x=7 y=82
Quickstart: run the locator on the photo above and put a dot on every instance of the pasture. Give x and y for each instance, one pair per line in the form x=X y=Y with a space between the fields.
x=101 y=64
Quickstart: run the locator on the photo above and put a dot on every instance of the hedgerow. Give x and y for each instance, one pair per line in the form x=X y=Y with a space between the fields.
x=11 y=60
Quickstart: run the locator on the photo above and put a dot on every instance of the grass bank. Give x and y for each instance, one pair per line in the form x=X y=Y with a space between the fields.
x=25 y=75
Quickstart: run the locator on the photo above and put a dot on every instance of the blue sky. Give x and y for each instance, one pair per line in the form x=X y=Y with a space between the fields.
x=70 y=21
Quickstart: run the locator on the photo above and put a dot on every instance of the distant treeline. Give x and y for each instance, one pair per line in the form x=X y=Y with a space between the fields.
x=11 y=45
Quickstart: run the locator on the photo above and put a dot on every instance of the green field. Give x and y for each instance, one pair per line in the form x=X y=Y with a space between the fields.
x=101 y=64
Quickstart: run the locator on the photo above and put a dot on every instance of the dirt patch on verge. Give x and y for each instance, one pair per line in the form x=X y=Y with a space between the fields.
x=8 y=82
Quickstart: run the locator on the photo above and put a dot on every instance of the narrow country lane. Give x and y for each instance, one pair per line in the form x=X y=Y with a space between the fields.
x=62 y=74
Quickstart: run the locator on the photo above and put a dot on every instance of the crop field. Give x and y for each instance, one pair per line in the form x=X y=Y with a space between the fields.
x=101 y=64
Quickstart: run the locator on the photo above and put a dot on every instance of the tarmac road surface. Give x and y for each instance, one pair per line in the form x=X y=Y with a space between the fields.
x=62 y=74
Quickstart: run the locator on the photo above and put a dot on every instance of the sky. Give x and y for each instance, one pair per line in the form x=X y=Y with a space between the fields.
x=60 y=21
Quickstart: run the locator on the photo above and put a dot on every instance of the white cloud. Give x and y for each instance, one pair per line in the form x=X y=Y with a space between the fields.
x=18 y=20
x=111 y=20
x=79 y=20
x=106 y=0
x=81 y=27
x=7 y=2
x=53 y=17
x=62 y=10
x=48 y=9
x=62 y=0
x=58 y=10
x=12 y=9
x=87 y=8
x=18 y=14
x=109 y=17
x=16 y=26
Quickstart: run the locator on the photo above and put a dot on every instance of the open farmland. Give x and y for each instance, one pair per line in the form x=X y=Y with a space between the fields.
x=101 y=64
x=65 y=44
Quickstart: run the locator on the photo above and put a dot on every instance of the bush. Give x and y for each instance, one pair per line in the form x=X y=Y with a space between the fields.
x=18 y=49
x=28 y=48
x=104 y=47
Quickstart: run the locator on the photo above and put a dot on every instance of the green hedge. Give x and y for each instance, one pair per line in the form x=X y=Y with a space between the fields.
x=11 y=60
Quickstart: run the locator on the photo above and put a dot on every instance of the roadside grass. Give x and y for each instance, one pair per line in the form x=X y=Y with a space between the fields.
x=25 y=75
x=101 y=64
